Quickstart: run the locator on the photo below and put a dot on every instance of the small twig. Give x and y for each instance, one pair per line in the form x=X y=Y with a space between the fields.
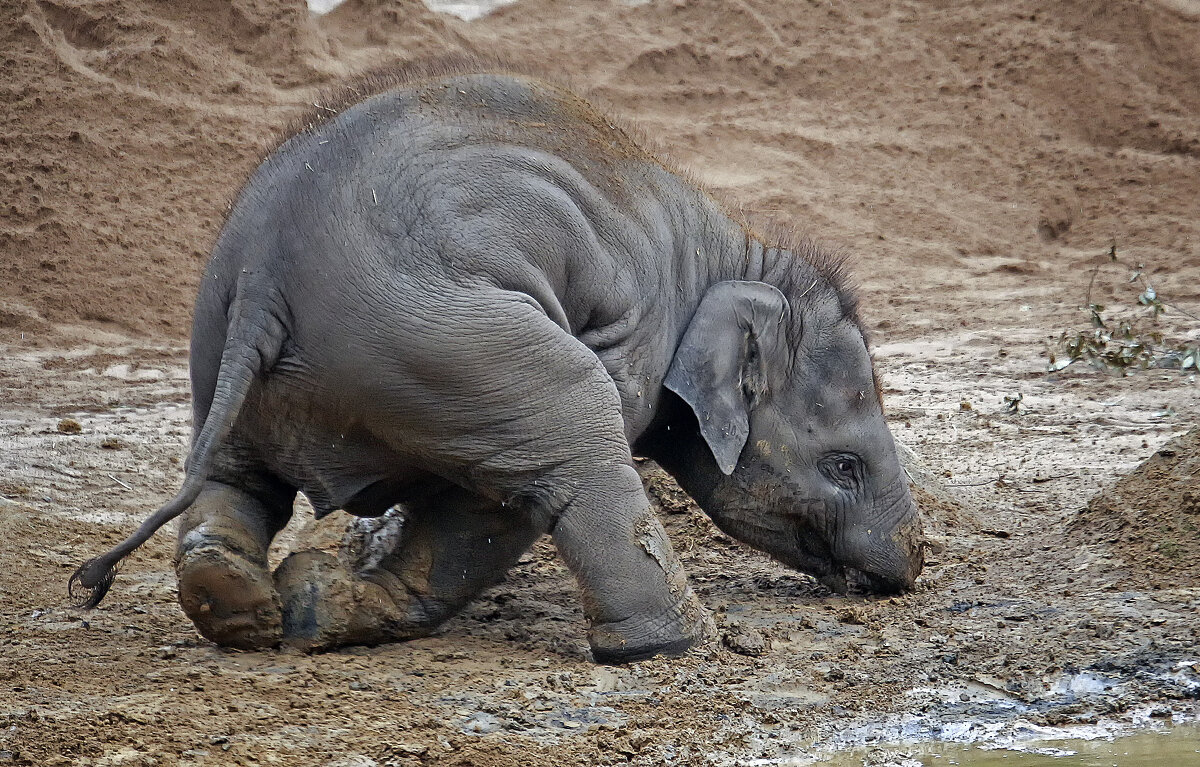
x=1087 y=299
x=1039 y=480
x=1127 y=343
x=1181 y=311
x=119 y=482
x=327 y=109
x=1137 y=272
x=805 y=293
x=47 y=467
x=972 y=484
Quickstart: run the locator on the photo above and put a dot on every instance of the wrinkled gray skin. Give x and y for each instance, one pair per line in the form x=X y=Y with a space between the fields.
x=472 y=296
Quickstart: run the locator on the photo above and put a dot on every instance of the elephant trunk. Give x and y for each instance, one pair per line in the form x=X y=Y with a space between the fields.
x=888 y=551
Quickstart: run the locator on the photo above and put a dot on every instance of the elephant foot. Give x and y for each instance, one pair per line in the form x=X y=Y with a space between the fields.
x=325 y=606
x=231 y=600
x=671 y=633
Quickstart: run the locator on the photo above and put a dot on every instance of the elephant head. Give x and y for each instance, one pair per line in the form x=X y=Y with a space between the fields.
x=785 y=446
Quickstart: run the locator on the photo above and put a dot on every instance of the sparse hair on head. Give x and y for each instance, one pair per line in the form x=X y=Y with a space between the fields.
x=829 y=266
x=820 y=268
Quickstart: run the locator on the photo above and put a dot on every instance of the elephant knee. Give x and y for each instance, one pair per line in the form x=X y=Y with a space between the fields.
x=324 y=605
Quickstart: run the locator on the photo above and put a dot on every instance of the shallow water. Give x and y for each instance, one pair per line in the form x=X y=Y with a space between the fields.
x=1177 y=746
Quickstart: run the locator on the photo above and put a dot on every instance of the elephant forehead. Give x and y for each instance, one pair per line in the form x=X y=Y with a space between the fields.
x=832 y=343
x=824 y=394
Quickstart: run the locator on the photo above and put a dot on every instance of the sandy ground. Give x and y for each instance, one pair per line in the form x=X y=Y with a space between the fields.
x=975 y=161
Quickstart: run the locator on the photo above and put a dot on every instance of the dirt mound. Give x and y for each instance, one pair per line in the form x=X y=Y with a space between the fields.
x=127 y=127
x=367 y=30
x=1151 y=516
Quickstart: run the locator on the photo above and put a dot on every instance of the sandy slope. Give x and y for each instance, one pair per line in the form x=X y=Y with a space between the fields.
x=941 y=144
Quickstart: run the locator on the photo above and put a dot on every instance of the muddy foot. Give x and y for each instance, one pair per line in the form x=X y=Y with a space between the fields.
x=672 y=633
x=231 y=600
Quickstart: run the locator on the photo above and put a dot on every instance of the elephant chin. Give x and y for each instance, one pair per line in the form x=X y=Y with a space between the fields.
x=841 y=579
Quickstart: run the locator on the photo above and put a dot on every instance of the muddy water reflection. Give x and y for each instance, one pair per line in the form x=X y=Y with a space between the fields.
x=1176 y=747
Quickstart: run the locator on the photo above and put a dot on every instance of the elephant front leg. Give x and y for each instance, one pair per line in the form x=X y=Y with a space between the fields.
x=447 y=553
x=634 y=591
x=225 y=584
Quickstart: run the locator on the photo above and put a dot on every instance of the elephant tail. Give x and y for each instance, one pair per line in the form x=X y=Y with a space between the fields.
x=252 y=345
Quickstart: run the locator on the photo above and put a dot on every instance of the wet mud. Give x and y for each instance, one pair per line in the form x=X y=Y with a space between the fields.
x=1018 y=621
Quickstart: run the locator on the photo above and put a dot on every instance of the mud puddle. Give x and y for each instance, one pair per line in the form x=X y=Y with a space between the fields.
x=1165 y=745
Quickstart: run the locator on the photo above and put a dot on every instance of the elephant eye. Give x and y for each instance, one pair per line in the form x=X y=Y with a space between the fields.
x=842 y=468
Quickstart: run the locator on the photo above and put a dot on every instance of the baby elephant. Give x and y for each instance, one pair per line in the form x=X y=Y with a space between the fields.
x=467 y=293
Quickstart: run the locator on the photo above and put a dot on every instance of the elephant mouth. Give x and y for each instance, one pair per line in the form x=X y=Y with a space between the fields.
x=808 y=552
x=846 y=580
x=822 y=562
x=879 y=584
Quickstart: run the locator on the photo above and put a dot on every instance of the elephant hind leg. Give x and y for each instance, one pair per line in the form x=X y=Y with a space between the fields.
x=448 y=551
x=225 y=583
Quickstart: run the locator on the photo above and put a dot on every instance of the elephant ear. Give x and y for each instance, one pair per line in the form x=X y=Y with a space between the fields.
x=730 y=355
